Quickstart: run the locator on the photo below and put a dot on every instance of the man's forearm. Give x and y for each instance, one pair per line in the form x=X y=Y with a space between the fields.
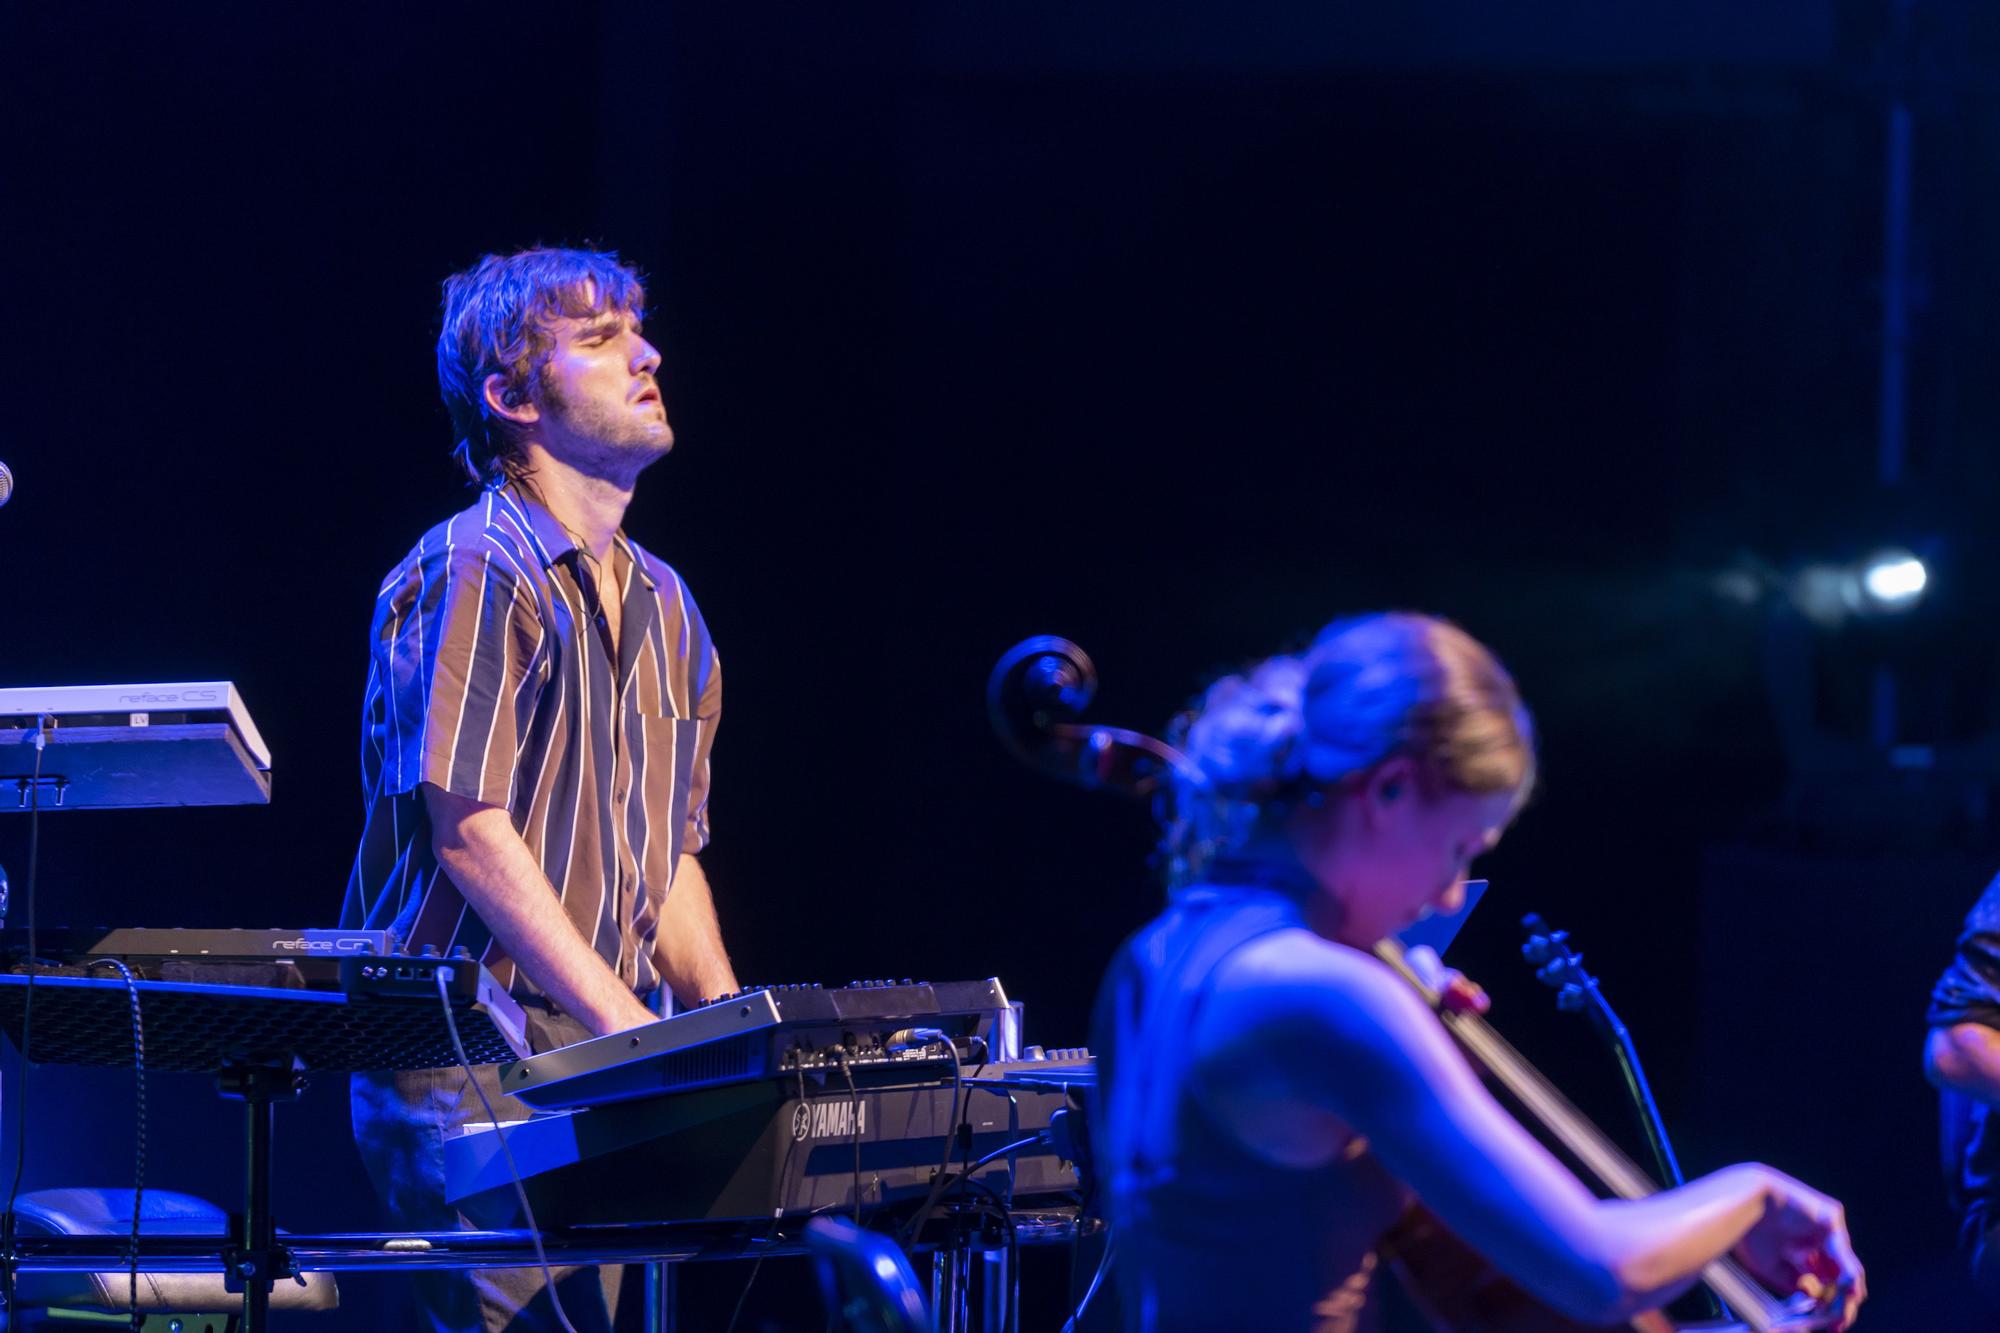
x=501 y=881
x=688 y=949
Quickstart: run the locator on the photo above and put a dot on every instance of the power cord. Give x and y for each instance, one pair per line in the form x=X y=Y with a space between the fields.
x=854 y=1127
x=1086 y=1168
x=1020 y=1145
x=1096 y=1281
x=139 y=1130
x=914 y=1227
x=444 y=976
x=10 y=1257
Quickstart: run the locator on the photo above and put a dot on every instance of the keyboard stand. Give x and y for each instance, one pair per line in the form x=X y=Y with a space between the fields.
x=85 y=1020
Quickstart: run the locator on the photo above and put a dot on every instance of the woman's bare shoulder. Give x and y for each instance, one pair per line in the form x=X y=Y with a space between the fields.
x=1295 y=982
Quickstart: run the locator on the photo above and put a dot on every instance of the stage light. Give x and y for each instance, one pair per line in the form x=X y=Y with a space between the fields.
x=1893 y=580
x=1889 y=582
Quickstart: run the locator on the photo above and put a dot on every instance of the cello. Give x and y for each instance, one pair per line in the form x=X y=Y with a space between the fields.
x=1463 y=1294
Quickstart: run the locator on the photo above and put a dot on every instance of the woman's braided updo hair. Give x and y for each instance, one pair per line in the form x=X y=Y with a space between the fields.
x=1370 y=687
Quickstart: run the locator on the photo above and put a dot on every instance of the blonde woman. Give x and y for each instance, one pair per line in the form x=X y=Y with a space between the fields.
x=1273 y=1097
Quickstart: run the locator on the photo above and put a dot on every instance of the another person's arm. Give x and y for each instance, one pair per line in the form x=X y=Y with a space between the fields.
x=1965 y=1057
x=501 y=881
x=1962 y=1052
x=1360 y=1046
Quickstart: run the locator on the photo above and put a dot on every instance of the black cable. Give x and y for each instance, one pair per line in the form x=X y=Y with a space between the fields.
x=777 y=1219
x=854 y=1131
x=997 y=1208
x=444 y=975
x=964 y=1180
x=11 y=1256
x=748 y=1282
x=823 y=1210
x=963 y=1131
x=1085 y=1198
x=1096 y=1281
x=139 y=1129
x=1019 y=1145
x=913 y=1229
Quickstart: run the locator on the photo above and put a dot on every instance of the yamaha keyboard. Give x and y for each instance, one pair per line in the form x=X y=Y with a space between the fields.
x=766 y=1031
x=778 y=1100
x=789 y=1145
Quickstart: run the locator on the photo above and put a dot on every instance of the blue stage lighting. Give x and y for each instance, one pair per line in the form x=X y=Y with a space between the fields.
x=1889 y=582
x=1893 y=580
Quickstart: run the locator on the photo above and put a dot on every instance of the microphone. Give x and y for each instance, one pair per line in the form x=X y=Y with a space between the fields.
x=6 y=483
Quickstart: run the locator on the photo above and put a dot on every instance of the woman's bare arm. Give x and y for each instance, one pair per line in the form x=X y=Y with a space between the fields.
x=1357 y=1043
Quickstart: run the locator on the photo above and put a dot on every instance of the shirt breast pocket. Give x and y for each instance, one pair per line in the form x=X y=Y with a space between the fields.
x=671 y=759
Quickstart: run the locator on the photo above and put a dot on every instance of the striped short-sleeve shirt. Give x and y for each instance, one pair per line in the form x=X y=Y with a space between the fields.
x=491 y=676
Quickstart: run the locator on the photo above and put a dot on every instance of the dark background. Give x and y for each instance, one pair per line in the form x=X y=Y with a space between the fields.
x=1178 y=330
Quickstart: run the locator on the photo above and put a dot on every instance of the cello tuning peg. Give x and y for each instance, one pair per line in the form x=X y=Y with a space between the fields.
x=1570 y=998
x=1536 y=950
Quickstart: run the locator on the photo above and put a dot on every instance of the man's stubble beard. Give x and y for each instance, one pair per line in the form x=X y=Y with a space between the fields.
x=607 y=442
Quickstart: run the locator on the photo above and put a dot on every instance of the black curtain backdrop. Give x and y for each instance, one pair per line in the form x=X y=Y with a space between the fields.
x=1178 y=334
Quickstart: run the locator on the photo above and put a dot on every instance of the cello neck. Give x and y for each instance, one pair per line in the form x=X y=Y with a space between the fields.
x=1547 y=1106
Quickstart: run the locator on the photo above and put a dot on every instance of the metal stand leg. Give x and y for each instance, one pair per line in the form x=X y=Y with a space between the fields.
x=662 y=1279
x=951 y=1288
x=257 y=1228
x=998 y=1291
x=257 y=1260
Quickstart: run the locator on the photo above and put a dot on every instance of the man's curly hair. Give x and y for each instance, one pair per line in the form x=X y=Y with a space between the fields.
x=497 y=320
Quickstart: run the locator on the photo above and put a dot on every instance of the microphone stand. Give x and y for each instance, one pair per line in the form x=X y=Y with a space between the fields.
x=1560 y=966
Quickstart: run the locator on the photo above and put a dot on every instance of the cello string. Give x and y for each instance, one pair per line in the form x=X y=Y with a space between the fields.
x=1598 y=1154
